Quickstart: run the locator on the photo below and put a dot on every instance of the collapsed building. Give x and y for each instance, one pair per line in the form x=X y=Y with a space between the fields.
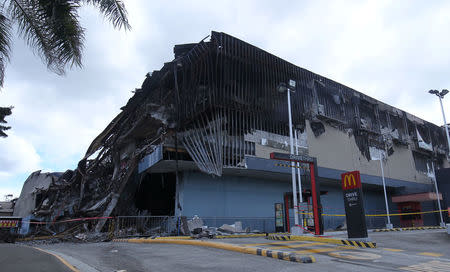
x=196 y=139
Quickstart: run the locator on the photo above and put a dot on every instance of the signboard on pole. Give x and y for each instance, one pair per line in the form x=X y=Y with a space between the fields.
x=354 y=208
x=279 y=220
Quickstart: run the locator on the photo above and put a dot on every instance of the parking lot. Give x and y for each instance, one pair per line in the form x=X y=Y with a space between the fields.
x=424 y=250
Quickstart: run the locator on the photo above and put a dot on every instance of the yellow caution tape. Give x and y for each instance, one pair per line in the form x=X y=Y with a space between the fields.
x=392 y=214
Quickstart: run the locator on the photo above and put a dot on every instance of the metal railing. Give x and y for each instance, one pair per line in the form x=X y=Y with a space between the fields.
x=146 y=226
x=171 y=225
x=128 y=226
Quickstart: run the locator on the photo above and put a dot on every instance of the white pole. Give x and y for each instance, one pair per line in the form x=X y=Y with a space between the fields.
x=437 y=195
x=299 y=178
x=445 y=126
x=388 y=225
x=291 y=140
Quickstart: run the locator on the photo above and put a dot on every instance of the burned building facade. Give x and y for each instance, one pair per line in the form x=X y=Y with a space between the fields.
x=196 y=139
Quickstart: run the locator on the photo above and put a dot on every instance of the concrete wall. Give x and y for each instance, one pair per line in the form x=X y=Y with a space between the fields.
x=335 y=149
x=25 y=204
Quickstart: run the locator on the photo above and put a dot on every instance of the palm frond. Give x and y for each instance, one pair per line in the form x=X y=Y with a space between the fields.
x=3 y=113
x=52 y=29
x=65 y=32
x=34 y=31
x=5 y=44
x=114 y=11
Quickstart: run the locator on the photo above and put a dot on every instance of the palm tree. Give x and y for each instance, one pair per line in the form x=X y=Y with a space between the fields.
x=3 y=113
x=51 y=28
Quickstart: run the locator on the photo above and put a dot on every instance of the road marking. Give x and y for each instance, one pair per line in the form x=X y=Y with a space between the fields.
x=320 y=250
x=430 y=254
x=66 y=263
x=296 y=246
x=276 y=243
x=392 y=249
x=355 y=255
x=429 y=266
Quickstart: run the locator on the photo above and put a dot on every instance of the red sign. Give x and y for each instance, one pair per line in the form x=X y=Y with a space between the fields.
x=351 y=180
x=8 y=223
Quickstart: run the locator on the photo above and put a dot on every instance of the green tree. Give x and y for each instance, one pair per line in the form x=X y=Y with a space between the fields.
x=52 y=29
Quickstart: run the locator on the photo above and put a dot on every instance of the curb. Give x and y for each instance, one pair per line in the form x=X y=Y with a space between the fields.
x=281 y=255
x=39 y=238
x=61 y=259
x=409 y=228
x=189 y=237
x=324 y=240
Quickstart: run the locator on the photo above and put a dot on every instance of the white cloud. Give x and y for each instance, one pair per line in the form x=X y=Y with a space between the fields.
x=18 y=158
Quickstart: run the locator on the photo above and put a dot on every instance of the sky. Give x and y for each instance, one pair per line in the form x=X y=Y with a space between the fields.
x=394 y=51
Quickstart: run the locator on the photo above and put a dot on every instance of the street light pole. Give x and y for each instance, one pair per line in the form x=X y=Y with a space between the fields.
x=445 y=125
x=291 y=141
x=296 y=230
x=299 y=179
x=437 y=195
x=441 y=95
x=388 y=225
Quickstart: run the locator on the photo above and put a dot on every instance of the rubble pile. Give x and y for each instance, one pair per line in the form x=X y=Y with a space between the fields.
x=94 y=188
x=197 y=229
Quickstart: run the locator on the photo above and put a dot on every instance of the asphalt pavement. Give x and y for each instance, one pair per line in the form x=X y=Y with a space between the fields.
x=396 y=251
x=20 y=258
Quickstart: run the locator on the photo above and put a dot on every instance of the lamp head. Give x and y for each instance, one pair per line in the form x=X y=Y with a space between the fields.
x=443 y=92
x=436 y=92
x=282 y=87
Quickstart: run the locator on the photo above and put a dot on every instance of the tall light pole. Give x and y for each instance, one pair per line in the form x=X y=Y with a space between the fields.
x=441 y=95
x=283 y=87
x=388 y=225
x=442 y=224
x=299 y=180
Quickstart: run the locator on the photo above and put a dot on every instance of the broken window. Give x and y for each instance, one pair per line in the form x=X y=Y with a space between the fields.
x=330 y=103
x=367 y=116
x=438 y=139
x=399 y=134
x=423 y=138
x=422 y=162
x=384 y=122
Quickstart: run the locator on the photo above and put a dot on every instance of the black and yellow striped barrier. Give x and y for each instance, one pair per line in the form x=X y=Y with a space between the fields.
x=323 y=239
x=408 y=228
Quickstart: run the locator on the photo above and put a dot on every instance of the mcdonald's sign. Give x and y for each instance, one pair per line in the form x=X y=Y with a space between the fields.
x=351 y=180
x=354 y=206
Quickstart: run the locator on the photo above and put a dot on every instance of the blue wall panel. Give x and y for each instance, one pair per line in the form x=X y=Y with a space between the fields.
x=237 y=196
x=204 y=195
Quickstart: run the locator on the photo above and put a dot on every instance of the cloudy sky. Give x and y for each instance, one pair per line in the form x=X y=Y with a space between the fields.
x=391 y=50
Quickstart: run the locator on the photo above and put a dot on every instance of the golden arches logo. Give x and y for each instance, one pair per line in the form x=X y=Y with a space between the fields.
x=350 y=178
